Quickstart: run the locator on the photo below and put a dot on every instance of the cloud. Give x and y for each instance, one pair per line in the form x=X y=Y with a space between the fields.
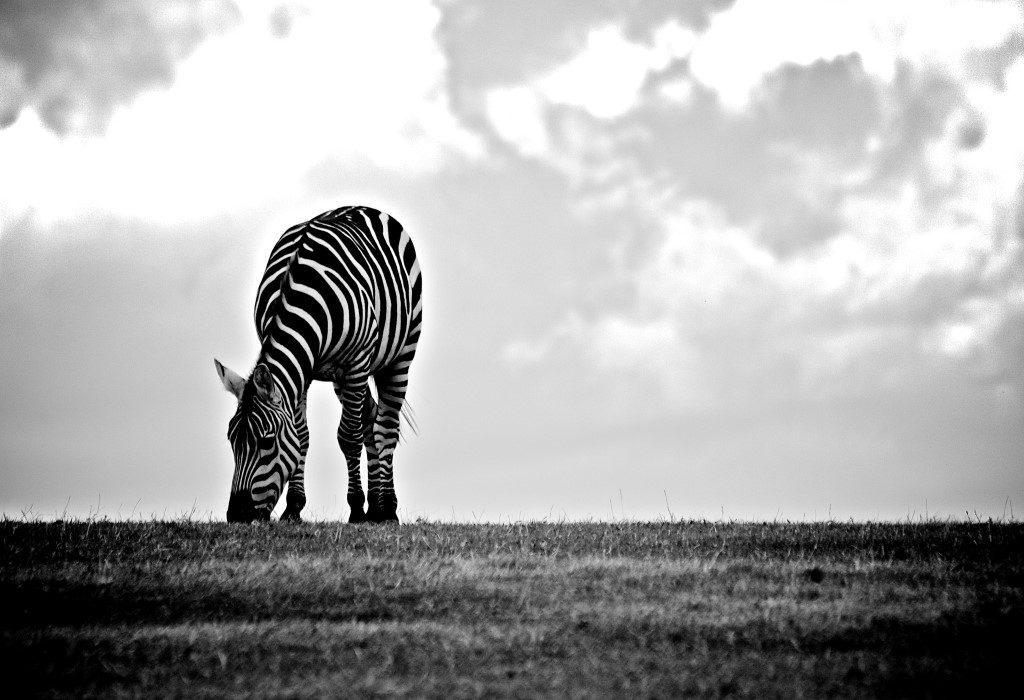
x=248 y=116
x=903 y=297
x=75 y=64
x=606 y=77
x=493 y=43
x=889 y=68
x=604 y=80
x=801 y=32
x=822 y=214
x=517 y=116
x=283 y=17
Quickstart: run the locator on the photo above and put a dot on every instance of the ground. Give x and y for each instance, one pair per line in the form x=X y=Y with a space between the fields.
x=560 y=609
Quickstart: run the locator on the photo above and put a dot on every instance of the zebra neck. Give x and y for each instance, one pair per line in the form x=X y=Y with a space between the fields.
x=289 y=372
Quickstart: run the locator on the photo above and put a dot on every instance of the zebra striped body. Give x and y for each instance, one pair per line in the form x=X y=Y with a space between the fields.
x=340 y=301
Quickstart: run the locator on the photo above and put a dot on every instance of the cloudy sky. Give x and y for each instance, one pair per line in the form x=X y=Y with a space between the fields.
x=751 y=260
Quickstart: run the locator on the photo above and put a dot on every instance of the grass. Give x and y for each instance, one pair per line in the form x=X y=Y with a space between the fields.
x=559 y=609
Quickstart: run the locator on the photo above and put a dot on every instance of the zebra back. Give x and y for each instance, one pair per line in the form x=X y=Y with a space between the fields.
x=343 y=287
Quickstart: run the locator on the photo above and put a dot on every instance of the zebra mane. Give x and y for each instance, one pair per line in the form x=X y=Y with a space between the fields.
x=282 y=283
x=249 y=394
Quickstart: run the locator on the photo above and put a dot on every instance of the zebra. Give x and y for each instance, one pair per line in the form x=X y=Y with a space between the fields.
x=340 y=301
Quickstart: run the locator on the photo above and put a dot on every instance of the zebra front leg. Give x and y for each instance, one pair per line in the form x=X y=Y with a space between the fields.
x=350 y=440
x=296 y=498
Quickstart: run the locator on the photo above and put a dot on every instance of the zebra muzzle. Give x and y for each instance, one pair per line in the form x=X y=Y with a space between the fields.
x=242 y=510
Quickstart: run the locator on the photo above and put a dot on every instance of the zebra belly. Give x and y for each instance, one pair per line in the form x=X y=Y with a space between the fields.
x=332 y=371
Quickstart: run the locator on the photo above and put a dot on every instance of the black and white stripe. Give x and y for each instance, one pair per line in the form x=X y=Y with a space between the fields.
x=340 y=301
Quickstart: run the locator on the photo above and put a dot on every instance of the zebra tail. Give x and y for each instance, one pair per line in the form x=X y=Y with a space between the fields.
x=408 y=418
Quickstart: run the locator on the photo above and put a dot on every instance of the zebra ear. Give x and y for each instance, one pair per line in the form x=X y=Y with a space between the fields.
x=265 y=386
x=232 y=382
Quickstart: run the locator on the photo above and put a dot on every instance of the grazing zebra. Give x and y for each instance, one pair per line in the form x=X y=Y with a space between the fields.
x=339 y=302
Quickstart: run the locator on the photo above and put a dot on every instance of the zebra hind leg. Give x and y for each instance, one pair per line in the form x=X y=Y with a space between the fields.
x=369 y=420
x=350 y=431
x=380 y=478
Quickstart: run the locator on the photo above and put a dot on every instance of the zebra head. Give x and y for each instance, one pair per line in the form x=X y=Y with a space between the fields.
x=265 y=443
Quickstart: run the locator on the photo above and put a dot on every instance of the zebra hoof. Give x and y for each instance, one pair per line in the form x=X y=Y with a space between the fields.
x=383 y=519
x=356 y=516
x=289 y=516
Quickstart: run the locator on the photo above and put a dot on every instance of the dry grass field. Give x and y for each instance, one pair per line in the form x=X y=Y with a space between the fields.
x=522 y=609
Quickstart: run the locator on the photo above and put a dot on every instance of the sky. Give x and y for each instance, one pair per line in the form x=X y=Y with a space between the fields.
x=681 y=259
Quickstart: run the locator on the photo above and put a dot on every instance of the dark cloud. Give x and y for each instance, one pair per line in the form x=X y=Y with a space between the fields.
x=830 y=104
x=990 y=64
x=926 y=301
x=490 y=42
x=283 y=18
x=776 y=165
x=971 y=132
x=1018 y=212
x=780 y=165
x=76 y=62
x=920 y=104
